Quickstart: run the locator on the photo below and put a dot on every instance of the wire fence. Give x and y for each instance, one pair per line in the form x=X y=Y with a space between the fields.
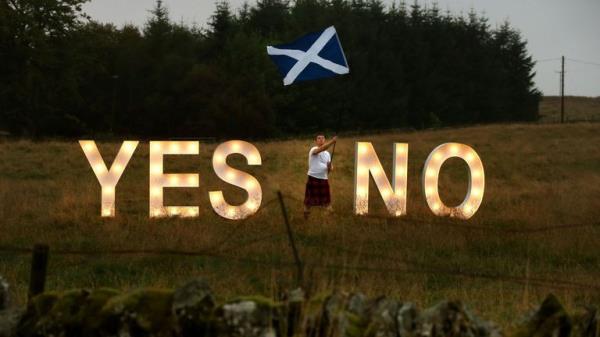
x=220 y=249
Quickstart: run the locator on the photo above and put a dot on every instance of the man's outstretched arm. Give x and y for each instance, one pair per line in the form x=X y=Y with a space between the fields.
x=325 y=146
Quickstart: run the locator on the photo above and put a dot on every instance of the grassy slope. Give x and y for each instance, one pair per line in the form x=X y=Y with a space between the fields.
x=536 y=175
x=576 y=109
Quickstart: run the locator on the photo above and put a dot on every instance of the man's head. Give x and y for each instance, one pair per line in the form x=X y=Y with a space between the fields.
x=320 y=139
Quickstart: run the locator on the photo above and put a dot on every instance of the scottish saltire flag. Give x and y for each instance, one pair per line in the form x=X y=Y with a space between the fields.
x=313 y=56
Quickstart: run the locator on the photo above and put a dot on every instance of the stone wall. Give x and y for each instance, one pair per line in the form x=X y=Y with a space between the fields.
x=193 y=311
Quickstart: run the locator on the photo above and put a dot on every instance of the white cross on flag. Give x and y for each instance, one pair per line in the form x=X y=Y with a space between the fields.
x=313 y=56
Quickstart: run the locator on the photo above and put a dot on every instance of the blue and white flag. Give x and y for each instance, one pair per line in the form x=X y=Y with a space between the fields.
x=313 y=56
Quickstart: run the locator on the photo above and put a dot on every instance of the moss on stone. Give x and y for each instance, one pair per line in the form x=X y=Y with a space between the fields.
x=551 y=320
x=148 y=310
x=261 y=301
x=154 y=312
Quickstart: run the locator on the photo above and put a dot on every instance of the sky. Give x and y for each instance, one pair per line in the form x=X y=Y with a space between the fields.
x=552 y=28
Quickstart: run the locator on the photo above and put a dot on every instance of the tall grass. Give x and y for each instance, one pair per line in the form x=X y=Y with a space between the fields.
x=536 y=175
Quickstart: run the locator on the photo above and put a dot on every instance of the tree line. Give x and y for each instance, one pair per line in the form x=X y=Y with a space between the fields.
x=63 y=74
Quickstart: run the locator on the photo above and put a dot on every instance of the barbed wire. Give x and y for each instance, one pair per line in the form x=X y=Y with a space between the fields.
x=432 y=269
x=413 y=267
x=228 y=237
x=413 y=221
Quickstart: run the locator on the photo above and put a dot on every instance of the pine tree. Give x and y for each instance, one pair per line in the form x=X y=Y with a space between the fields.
x=221 y=22
x=158 y=26
x=410 y=66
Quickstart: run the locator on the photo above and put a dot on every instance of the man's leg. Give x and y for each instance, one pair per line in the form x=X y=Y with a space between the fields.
x=327 y=197
x=309 y=197
x=306 y=212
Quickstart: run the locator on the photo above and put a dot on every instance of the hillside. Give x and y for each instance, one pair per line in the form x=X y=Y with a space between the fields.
x=537 y=175
x=577 y=108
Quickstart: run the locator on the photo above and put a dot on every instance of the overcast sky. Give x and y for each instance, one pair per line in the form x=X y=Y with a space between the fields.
x=551 y=27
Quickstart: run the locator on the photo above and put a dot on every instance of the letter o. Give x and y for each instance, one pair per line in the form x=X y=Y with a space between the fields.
x=431 y=172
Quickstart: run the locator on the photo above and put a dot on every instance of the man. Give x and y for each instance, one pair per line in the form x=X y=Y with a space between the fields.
x=319 y=164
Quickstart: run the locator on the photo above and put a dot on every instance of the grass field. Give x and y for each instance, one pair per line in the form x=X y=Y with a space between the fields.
x=536 y=175
x=576 y=109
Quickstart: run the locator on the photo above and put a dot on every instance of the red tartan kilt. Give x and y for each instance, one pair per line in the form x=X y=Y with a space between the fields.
x=317 y=192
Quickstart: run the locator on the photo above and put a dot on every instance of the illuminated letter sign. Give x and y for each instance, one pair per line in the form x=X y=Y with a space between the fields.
x=366 y=162
x=476 y=180
x=159 y=180
x=237 y=178
x=108 y=179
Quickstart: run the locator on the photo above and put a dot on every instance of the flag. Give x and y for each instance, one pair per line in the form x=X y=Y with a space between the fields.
x=313 y=56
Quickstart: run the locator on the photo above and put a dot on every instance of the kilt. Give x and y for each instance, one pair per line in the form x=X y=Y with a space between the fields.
x=317 y=192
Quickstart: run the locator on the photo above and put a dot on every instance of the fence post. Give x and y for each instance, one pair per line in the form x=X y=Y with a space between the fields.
x=300 y=276
x=39 y=266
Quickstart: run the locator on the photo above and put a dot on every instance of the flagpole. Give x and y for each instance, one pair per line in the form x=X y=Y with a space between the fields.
x=335 y=134
x=339 y=120
x=332 y=153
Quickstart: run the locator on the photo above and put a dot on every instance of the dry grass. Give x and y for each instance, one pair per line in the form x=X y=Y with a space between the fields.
x=536 y=175
x=576 y=109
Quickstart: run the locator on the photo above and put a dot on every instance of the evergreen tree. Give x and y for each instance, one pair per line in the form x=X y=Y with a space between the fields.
x=411 y=66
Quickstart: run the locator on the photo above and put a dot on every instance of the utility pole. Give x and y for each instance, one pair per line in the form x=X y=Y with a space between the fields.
x=562 y=90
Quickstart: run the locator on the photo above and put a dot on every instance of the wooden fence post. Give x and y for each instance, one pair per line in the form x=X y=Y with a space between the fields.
x=300 y=275
x=39 y=266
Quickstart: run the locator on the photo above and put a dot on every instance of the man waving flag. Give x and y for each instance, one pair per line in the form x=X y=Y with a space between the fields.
x=313 y=56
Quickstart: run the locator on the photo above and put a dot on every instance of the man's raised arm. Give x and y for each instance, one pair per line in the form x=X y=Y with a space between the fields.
x=325 y=146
